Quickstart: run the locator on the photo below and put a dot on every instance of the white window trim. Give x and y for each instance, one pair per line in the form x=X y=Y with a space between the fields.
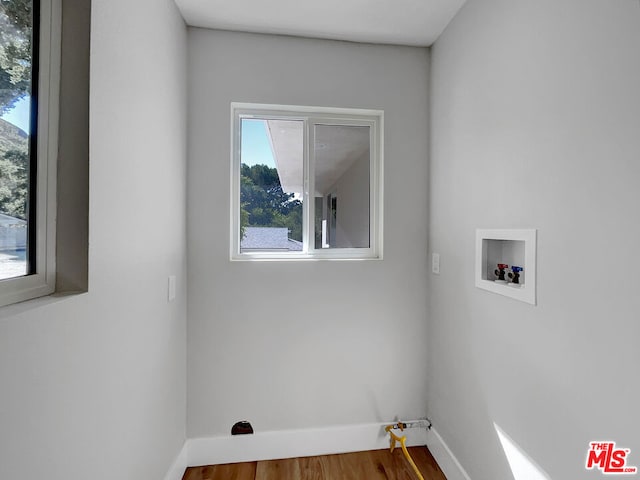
x=42 y=282
x=312 y=115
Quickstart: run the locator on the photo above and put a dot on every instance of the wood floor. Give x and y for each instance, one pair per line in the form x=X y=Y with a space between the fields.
x=372 y=465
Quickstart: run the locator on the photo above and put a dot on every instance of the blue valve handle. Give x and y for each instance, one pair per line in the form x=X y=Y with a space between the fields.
x=515 y=269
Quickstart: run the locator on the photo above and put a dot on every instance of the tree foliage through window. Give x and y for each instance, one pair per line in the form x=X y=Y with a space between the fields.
x=264 y=203
x=16 y=25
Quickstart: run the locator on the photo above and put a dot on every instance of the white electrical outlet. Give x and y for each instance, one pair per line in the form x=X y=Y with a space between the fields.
x=435 y=263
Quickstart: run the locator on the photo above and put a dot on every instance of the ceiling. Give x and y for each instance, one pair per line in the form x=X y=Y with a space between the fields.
x=398 y=22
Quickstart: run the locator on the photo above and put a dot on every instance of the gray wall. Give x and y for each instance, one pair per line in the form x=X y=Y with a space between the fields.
x=535 y=121
x=72 y=207
x=305 y=344
x=94 y=384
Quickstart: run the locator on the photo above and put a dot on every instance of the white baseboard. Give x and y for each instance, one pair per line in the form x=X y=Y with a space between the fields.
x=294 y=443
x=305 y=443
x=179 y=465
x=447 y=461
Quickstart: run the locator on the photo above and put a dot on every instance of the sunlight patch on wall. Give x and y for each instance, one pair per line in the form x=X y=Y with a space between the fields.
x=522 y=466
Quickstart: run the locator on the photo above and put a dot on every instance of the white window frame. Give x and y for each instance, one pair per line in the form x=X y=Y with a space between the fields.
x=312 y=116
x=42 y=281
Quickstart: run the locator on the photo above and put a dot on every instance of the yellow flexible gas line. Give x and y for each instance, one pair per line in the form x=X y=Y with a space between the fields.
x=403 y=441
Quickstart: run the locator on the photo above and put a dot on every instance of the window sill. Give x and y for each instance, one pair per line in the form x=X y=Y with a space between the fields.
x=11 y=310
x=301 y=257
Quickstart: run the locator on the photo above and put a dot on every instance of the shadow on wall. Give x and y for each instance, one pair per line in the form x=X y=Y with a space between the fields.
x=522 y=466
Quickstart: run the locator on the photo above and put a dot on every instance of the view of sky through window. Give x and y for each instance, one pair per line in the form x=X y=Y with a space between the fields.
x=256 y=149
x=20 y=114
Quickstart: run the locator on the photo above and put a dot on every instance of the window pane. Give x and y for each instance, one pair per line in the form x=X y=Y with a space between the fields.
x=271 y=185
x=16 y=20
x=341 y=182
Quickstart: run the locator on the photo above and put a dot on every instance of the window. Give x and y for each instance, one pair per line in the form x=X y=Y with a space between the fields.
x=29 y=88
x=306 y=183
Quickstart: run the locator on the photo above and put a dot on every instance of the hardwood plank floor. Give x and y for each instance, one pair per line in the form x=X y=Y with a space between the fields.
x=231 y=471
x=372 y=465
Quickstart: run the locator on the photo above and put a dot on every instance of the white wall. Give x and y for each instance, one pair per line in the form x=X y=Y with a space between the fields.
x=535 y=121
x=304 y=344
x=93 y=385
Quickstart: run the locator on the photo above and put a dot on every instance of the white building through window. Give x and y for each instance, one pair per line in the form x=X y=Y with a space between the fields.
x=306 y=183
